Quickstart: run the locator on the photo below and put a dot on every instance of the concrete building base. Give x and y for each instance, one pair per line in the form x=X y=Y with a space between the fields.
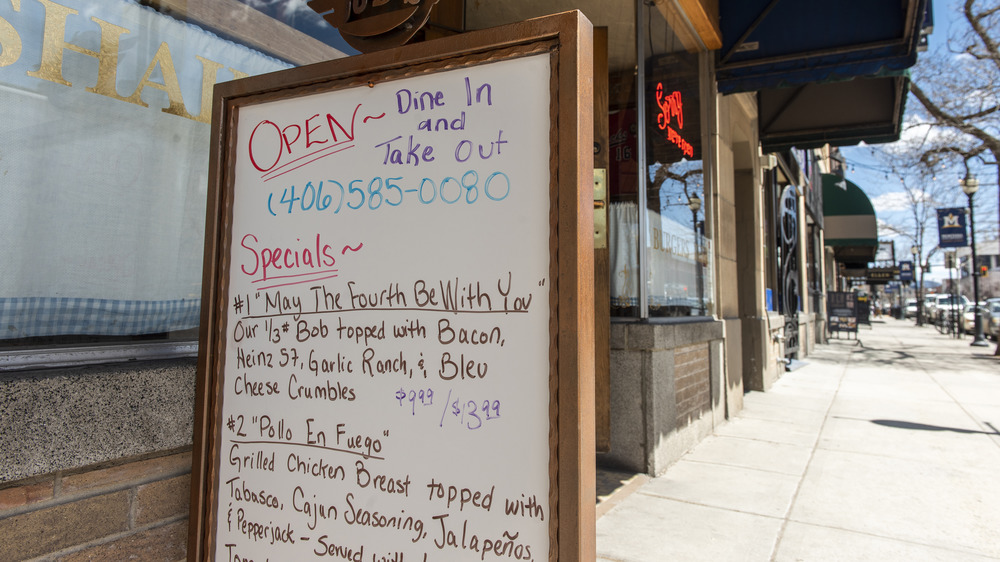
x=668 y=392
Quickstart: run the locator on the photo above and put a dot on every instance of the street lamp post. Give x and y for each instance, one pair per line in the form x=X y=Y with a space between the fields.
x=694 y=203
x=970 y=185
x=949 y=262
x=920 y=298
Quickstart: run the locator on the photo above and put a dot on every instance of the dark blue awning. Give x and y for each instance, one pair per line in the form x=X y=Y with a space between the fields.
x=842 y=113
x=778 y=43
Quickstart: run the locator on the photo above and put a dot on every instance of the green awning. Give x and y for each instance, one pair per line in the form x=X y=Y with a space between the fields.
x=849 y=225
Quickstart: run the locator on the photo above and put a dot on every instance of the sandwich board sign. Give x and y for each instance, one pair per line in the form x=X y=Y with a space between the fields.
x=396 y=357
x=842 y=312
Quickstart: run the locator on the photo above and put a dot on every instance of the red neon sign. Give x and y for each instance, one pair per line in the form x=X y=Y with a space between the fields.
x=671 y=106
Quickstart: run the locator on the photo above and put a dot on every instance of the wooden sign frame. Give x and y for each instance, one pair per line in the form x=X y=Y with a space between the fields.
x=567 y=38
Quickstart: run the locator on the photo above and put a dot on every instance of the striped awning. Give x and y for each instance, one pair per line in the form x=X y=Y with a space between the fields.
x=849 y=224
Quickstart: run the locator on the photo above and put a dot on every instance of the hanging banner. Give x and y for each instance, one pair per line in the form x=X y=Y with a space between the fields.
x=906 y=271
x=951 y=228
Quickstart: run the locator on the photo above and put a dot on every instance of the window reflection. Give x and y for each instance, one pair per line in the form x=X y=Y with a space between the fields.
x=675 y=245
x=678 y=250
x=106 y=106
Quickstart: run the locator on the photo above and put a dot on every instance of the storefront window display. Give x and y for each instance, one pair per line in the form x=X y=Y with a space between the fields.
x=105 y=154
x=676 y=242
x=623 y=184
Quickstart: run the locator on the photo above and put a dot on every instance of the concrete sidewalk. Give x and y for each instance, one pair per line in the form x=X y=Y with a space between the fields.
x=888 y=450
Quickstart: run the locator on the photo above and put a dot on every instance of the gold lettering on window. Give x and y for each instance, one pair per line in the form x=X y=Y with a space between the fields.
x=170 y=83
x=54 y=44
x=10 y=41
x=210 y=71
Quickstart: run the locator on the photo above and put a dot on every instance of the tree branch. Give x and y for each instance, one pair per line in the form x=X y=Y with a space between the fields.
x=977 y=27
x=953 y=121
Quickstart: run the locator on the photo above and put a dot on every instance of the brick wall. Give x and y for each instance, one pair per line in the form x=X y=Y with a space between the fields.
x=135 y=510
x=692 y=382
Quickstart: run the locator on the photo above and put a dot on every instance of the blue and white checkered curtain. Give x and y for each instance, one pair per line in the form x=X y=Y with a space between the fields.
x=47 y=316
x=102 y=202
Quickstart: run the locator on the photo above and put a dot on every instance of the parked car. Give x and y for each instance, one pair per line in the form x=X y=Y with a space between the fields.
x=968 y=318
x=945 y=306
x=991 y=322
x=929 y=302
x=910 y=311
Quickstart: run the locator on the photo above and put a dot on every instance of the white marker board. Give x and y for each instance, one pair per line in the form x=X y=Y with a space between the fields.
x=381 y=360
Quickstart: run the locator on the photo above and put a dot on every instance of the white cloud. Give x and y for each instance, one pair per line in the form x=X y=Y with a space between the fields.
x=285 y=7
x=296 y=6
x=893 y=201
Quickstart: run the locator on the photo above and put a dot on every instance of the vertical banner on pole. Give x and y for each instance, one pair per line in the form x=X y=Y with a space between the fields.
x=951 y=228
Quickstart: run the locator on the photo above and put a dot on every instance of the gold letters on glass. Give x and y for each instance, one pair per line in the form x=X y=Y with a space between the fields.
x=54 y=45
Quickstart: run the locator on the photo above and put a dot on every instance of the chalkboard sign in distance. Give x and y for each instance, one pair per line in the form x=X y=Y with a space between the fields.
x=396 y=354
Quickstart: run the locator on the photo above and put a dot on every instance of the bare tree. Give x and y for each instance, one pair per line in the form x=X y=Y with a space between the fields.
x=922 y=194
x=958 y=87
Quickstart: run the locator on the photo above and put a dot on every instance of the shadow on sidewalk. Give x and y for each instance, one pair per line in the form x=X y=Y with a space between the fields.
x=925 y=427
x=879 y=352
x=991 y=358
x=614 y=485
x=899 y=424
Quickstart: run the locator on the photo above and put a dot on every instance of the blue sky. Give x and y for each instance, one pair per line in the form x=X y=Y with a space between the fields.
x=885 y=191
x=297 y=14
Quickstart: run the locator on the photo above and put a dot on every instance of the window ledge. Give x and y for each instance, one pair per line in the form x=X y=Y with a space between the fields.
x=80 y=356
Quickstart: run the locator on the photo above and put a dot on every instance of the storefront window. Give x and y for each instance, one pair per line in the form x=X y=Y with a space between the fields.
x=623 y=180
x=783 y=222
x=105 y=162
x=676 y=242
x=813 y=203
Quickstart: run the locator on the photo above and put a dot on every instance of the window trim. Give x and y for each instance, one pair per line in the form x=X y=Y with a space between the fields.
x=275 y=37
x=55 y=358
x=706 y=90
